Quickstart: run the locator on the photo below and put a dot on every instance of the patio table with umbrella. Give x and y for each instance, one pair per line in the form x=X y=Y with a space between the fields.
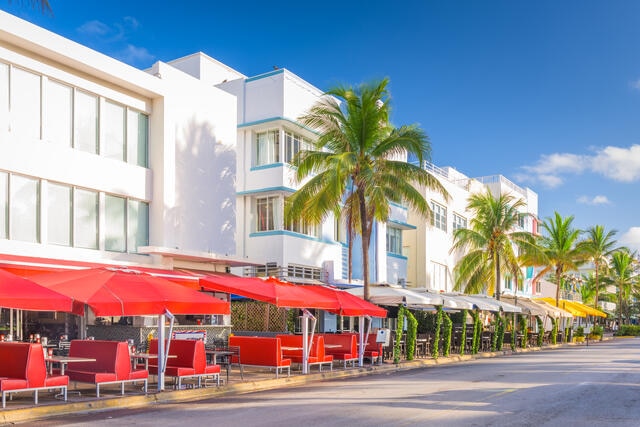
x=352 y=305
x=127 y=292
x=277 y=292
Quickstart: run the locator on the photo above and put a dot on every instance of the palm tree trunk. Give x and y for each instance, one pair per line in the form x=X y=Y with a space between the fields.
x=349 y=248
x=366 y=237
x=558 y=274
x=498 y=290
x=595 y=303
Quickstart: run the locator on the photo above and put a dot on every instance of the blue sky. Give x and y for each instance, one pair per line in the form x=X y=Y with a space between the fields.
x=546 y=93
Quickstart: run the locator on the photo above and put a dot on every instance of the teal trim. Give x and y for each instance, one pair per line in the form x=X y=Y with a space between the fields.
x=402 y=225
x=285 y=233
x=394 y=255
x=275 y=119
x=264 y=76
x=269 y=166
x=265 y=190
x=399 y=206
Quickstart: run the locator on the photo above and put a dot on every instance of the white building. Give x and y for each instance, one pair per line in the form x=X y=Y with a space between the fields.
x=184 y=165
x=104 y=163
x=269 y=135
x=431 y=262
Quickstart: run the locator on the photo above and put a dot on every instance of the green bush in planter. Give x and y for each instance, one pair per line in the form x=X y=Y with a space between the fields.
x=579 y=332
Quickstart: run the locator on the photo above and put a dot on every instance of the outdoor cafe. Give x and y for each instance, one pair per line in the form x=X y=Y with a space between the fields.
x=106 y=329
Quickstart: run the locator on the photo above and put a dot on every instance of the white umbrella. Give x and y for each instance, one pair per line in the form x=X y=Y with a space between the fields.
x=448 y=301
x=386 y=294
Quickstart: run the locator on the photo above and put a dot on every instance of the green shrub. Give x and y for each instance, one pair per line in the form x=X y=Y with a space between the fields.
x=629 y=330
x=579 y=332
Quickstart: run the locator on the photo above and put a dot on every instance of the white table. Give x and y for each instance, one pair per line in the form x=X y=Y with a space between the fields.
x=64 y=360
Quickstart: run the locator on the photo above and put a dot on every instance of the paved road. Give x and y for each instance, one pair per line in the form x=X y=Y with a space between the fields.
x=597 y=385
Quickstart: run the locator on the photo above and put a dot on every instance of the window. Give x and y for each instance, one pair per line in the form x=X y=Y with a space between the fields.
x=508 y=282
x=85 y=219
x=24 y=207
x=59 y=108
x=394 y=240
x=115 y=224
x=4 y=98
x=439 y=278
x=340 y=230
x=59 y=214
x=522 y=221
x=137 y=138
x=25 y=103
x=302 y=227
x=85 y=132
x=293 y=143
x=439 y=216
x=113 y=130
x=266 y=213
x=267 y=147
x=459 y=222
x=137 y=225
x=4 y=205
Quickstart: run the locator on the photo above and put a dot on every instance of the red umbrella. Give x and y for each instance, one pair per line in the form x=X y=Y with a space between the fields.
x=271 y=290
x=350 y=305
x=24 y=294
x=125 y=292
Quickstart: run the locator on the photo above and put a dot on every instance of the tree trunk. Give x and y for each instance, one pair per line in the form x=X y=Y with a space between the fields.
x=558 y=274
x=349 y=248
x=366 y=236
x=595 y=304
x=498 y=290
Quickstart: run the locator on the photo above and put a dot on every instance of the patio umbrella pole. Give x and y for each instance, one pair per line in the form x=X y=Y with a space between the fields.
x=11 y=322
x=163 y=350
x=362 y=338
x=161 y=360
x=306 y=315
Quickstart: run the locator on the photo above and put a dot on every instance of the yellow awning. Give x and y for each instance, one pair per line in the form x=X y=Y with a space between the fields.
x=589 y=310
x=574 y=307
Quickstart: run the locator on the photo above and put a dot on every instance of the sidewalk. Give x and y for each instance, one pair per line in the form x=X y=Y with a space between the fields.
x=21 y=408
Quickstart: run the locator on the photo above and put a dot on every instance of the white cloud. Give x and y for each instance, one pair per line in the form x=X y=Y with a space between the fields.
x=594 y=201
x=631 y=239
x=132 y=54
x=114 y=38
x=619 y=164
x=94 y=28
x=616 y=163
x=636 y=84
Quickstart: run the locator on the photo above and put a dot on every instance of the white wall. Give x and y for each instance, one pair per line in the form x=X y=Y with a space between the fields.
x=194 y=196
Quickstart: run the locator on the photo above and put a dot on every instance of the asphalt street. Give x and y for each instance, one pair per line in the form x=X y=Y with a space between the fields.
x=598 y=385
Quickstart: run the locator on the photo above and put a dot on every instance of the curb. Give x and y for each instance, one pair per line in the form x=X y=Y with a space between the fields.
x=33 y=413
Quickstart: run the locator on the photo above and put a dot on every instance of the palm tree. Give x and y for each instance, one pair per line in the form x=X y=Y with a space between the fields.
x=489 y=243
x=623 y=277
x=559 y=247
x=44 y=5
x=598 y=247
x=355 y=162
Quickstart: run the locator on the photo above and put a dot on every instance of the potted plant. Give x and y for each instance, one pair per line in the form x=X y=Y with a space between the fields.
x=596 y=333
x=578 y=335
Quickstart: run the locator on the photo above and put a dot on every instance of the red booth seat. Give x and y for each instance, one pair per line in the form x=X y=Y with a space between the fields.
x=373 y=349
x=317 y=355
x=22 y=368
x=342 y=347
x=262 y=351
x=190 y=361
x=112 y=364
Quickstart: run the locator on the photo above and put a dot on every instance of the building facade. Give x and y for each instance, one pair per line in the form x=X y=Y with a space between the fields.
x=430 y=260
x=99 y=160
